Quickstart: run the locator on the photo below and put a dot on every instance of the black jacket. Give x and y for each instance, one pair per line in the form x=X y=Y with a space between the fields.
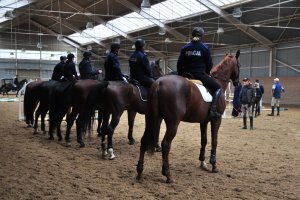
x=58 y=71
x=112 y=68
x=247 y=95
x=70 y=73
x=86 y=71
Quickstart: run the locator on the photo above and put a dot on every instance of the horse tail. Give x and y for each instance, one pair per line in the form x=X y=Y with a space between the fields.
x=93 y=102
x=153 y=120
x=31 y=100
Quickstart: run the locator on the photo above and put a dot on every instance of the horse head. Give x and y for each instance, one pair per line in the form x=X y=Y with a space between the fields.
x=228 y=69
x=156 y=69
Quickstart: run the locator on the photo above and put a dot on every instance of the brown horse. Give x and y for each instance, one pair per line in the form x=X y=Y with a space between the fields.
x=117 y=97
x=174 y=99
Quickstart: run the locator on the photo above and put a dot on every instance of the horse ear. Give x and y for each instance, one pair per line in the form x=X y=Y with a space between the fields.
x=157 y=61
x=237 y=54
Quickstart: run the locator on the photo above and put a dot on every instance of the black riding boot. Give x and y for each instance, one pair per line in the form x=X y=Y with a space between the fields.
x=245 y=123
x=251 y=123
x=278 y=110
x=272 y=113
x=213 y=109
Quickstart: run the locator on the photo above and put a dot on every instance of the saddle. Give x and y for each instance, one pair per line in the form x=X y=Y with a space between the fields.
x=143 y=91
x=207 y=97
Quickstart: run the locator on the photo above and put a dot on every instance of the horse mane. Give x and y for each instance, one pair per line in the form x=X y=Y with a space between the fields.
x=220 y=65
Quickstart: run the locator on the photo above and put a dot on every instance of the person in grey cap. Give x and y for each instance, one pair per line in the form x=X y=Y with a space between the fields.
x=247 y=98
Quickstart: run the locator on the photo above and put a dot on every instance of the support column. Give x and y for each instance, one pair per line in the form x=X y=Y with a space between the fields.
x=272 y=68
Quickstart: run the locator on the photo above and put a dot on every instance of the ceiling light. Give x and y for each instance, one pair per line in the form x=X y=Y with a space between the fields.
x=220 y=30
x=162 y=31
x=145 y=5
x=9 y=15
x=60 y=37
x=89 y=47
x=89 y=25
x=39 y=45
x=237 y=12
x=167 y=40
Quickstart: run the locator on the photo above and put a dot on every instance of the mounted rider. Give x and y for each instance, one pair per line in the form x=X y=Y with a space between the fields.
x=195 y=59
x=112 y=65
x=139 y=65
x=70 y=73
x=85 y=68
x=58 y=71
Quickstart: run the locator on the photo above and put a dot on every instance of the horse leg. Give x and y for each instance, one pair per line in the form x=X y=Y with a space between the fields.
x=131 y=116
x=37 y=115
x=140 y=165
x=111 y=128
x=99 y=120
x=203 y=128
x=215 y=125
x=79 y=131
x=70 y=121
x=166 y=147
x=43 y=115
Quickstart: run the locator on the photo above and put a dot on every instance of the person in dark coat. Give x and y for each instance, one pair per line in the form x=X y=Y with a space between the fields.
x=258 y=95
x=58 y=71
x=112 y=65
x=195 y=59
x=247 y=97
x=85 y=68
x=236 y=110
x=70 y=73
x=262 y=89
x=139 y=65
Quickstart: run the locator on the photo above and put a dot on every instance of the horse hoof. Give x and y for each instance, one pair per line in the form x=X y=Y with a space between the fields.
x=68 y=144
x=158 y=149
x=204 y=167
x=170 y=181
x=81 y=145
x=59 y=139
x=44 y=132
x=132 y=141
x=51 y=138
x=35 y=133
x=215 y=169
x=139 y=178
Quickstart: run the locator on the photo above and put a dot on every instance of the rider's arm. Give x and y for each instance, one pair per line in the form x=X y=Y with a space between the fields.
x=180 y=62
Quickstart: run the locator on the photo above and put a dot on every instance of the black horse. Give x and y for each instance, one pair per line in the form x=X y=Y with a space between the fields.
x=7 y=87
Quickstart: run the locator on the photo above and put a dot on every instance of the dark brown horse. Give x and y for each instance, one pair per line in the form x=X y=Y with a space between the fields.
x=118 y=97
x=10 y=87
x=174 y=99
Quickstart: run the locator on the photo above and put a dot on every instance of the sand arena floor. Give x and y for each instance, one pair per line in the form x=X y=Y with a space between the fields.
x=259 y=164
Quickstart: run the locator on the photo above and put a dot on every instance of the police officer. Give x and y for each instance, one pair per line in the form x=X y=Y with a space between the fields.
x=139 y=65
x=85 y=68
x=58 y=71
x=112 y=65
x=70 y=73
x=195 y=59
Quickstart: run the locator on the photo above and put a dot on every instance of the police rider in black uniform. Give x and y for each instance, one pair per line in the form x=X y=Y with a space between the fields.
x=85 y=68
x=139 y=65
x=112 y=65
x=70 y=73
x=195 y=59
x=58 y=71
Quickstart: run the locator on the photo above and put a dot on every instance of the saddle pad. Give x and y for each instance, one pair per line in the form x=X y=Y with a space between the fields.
x=205 y=94
x=196 y=81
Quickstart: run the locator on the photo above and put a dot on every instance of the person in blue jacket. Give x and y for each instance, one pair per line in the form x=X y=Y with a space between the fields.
x=139 y=65
x=85 y=67
x=112 y=65
x=195 y=59
x=58 y=71
x=277 y=89
x=70 y=73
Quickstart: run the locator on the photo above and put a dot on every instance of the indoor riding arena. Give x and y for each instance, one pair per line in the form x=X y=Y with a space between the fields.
x=250 y=154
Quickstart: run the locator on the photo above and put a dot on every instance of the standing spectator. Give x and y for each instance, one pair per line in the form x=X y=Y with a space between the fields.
x=236 y=110
x=262 y=89
x=247 y=97
x=258 y=95
x=277 y=89
x=58 y=71
x=85 y=68
x=70 y=73
x=112 y=65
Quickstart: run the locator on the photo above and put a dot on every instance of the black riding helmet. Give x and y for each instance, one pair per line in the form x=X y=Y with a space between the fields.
x=70 y=56
x=87 y=54
x=114 y=47
x=139 y=43
x=198 y=32
x=63 y=58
